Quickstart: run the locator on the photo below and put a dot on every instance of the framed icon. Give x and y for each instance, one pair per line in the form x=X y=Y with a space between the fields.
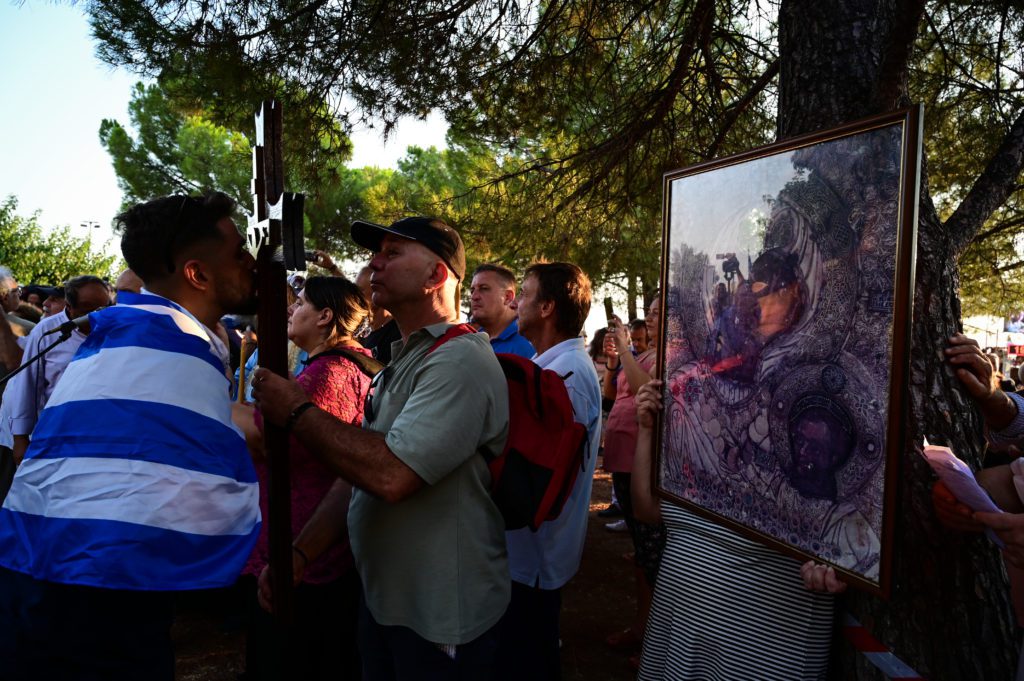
x=787 y=280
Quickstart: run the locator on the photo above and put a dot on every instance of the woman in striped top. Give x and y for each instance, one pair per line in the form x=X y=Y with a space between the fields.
x=726 y=607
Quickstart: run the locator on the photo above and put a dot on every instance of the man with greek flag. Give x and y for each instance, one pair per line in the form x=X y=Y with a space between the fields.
x=136 y=484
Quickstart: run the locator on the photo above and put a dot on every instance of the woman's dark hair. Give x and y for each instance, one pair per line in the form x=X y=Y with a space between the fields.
x=340 y=296
x=156 y=232
x=597 y=345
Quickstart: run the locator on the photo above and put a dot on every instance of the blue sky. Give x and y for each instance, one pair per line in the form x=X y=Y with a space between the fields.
x=56 y=92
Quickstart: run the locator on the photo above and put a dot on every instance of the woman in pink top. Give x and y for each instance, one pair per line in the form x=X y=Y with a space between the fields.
x=625 y=376
x=322 y=322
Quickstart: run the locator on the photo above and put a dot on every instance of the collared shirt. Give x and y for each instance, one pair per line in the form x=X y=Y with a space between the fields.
x=549 y=557
x=435 y=562
x=512 y=342
x=29 y=390
x=6 y=437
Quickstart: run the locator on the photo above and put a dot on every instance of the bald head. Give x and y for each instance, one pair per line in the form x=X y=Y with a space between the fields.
x=128 y=281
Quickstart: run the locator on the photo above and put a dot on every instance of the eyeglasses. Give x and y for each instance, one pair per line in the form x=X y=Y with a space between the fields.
x=377 y=382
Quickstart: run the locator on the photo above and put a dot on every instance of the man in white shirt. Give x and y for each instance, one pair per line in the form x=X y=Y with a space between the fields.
x=553 y=303
x=28 y=391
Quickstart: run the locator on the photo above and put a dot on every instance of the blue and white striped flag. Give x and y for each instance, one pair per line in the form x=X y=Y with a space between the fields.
x=135 y=478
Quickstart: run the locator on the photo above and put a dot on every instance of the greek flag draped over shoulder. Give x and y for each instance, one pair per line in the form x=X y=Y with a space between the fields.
x=135 y=477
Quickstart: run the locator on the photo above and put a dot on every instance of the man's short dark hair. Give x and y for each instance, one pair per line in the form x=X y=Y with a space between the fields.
x=568 y=287
x=504 y=274
x=156 y=232
x=75 y=284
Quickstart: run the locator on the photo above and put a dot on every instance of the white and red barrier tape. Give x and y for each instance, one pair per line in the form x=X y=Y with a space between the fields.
x=876 y=652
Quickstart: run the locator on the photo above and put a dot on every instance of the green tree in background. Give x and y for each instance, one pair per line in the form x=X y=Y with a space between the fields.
x=589 y=101
x=37 y=257
x=174 y=153
x=497 y=211
x=501 y=219
x=967 y=70
x=177 y=148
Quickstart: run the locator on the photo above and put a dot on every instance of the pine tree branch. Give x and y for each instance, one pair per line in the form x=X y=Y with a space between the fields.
x=999 y=228
x=990 y=190
x=736 y=109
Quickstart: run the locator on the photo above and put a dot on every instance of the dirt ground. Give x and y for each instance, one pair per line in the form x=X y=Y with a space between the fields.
x=599 y=600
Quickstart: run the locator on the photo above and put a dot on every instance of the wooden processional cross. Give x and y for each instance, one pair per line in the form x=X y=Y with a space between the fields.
x=275 y=233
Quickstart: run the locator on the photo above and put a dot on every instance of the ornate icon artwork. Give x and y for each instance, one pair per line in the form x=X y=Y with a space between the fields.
x=787 y=276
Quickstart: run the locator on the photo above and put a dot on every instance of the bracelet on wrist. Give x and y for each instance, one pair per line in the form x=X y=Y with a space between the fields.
x=302 y=555
x=296 y=413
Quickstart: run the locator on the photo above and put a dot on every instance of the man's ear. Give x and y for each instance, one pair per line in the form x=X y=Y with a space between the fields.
x=196 y=274
x=547 y=308
x=438 y=276
x=510 y=295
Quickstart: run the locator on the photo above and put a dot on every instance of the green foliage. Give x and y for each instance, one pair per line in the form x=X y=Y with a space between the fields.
x=174 y=153
x=37 y=257
x=564 y=113
x=967 y=72
x=567 y=112
x=177 y=150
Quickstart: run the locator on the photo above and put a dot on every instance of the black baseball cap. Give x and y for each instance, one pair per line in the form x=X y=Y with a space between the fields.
x=431 y=232
x=44 y=291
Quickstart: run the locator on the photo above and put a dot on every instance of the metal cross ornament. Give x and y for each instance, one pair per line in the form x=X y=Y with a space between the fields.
x=275 y=233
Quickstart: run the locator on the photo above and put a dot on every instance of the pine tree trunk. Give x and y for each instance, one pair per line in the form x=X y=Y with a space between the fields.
x=631 y=297
x=949 y=616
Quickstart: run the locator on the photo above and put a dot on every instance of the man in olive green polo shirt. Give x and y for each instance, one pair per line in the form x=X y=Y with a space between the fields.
x=427 y=538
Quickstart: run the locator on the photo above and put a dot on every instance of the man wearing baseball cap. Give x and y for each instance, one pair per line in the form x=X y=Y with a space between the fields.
x=427 y=538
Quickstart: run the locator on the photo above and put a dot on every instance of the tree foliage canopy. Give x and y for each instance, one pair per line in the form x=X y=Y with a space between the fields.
x=582 y=105
x=37 y=256
x=174 y=153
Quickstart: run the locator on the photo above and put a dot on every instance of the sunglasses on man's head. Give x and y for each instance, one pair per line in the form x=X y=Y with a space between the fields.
x=378 y=381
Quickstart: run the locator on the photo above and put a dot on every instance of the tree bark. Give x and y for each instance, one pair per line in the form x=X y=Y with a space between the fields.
x=949 y=615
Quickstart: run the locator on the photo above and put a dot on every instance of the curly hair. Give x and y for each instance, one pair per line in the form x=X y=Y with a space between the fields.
x=155 y=233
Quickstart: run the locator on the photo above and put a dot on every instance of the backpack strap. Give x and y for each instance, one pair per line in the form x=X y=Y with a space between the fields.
x=366 y=364
x=453 y=332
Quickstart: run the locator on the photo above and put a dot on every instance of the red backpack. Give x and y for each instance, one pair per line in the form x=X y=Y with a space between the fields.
x=534 y=475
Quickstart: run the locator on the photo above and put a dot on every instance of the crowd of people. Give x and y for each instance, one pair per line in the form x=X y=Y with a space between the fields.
x=134 y=467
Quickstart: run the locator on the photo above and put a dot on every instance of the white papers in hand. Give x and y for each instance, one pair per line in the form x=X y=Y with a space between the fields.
x=960 y=480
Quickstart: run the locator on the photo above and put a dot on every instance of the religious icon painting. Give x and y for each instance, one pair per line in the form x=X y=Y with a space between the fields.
x=787 y=273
